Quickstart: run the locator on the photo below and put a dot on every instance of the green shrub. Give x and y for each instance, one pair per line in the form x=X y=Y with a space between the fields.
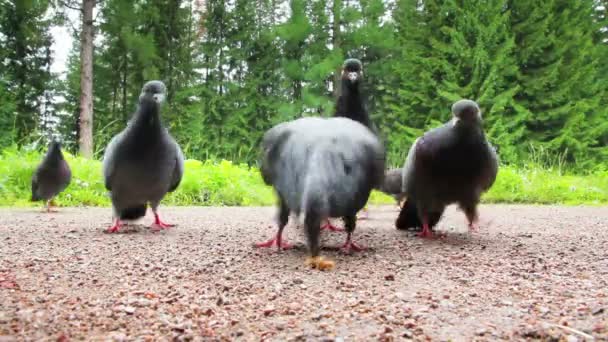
x=225 y=183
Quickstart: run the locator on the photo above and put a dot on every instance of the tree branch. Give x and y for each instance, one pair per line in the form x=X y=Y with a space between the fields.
x=68 y=5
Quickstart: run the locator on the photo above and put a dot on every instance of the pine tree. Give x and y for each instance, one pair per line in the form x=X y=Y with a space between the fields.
x=26 y=42
x=372 y=41
x=560 y=88
x=451 y=50
x=7 y=115
x=601 y=43
x=294 y=34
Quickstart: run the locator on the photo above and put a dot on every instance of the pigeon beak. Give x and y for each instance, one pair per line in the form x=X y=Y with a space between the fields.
x=352 y=76
x=455 y=121
x=159 y=98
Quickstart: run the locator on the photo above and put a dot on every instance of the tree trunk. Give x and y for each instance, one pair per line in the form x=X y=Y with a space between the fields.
x=85 y=141
x=335 y=40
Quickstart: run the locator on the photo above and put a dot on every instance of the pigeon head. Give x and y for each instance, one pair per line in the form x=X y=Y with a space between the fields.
x=466 y=112
x=54 y=152
x=155 y=90
x=55 y=145
x=352 y=71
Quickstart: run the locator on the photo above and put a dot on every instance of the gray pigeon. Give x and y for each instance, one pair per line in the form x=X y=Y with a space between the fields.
x=392 y=184
x=143 y=162
x=453 y=163
x=52 y=176
x=321 y=168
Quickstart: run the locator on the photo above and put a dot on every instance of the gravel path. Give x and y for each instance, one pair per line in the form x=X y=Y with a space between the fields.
x=536 y=272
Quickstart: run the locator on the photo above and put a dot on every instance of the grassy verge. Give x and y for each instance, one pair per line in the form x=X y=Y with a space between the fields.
x=226 y=183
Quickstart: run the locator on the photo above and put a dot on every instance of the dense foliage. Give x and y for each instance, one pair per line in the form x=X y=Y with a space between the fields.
x=234 y=68
x=225 y=183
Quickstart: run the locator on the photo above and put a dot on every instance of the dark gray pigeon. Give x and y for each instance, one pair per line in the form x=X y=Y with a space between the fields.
x=453 y=163
x=351 y=104
x=392 y=184
x=143 y=162
x=321 y=168
x=51 y=177
x=351 y=101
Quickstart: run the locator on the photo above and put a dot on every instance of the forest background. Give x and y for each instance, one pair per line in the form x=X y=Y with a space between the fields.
x=235 y=68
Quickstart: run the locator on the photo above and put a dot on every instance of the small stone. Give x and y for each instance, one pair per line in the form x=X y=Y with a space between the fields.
x=143 y=303
x=269 y=311
x=389 y=277
x=571 y=338
x=410 y=323
x=481 y=332
x=118 y=336
x=178 y=327
x=129 y=310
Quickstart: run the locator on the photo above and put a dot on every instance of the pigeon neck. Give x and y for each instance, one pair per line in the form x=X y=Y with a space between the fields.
x=350 y=88
x=148 y=117
x=350 y=105
x=54 y=154
x=470 y=130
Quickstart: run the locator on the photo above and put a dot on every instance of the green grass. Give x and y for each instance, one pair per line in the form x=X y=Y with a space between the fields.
x=546 y=186
x=225 y=183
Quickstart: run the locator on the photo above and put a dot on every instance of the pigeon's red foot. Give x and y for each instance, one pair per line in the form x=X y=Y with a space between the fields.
x=350 y=246
x=474 y=227
x=431 y=235
x=158 y=224
x=331 y=227
x=426 y=233
x=115 y=227
x=278 y=241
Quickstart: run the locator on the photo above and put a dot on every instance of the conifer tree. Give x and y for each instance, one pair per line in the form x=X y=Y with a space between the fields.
x=451 y=50
x=26 y=41
x=560 y=88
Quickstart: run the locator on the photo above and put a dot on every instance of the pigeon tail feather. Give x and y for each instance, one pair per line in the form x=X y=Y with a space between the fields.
x=133 y=212
x=409 y=218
